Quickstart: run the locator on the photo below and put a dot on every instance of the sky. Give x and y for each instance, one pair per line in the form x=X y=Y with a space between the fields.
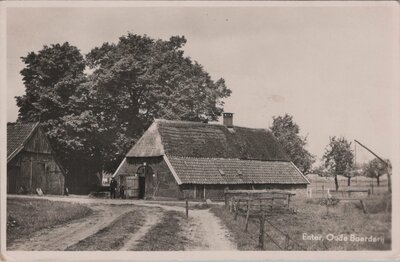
x=330 y=67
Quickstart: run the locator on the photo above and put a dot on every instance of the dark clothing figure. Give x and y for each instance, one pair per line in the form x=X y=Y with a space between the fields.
x=122 y=191
x=113 y=187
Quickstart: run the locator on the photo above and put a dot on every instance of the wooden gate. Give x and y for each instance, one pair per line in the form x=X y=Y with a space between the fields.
x=132 y=186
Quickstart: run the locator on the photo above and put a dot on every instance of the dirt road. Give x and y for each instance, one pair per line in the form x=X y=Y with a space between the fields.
x=204 y=230
x=62 y=236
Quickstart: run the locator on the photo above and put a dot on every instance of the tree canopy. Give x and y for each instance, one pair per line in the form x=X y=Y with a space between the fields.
x=338 y=157
x=95 y=107
x=287 y=133
x=376 y=168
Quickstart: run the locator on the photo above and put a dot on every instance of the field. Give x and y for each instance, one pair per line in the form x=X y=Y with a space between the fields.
x=323 y=183
x=313 y=219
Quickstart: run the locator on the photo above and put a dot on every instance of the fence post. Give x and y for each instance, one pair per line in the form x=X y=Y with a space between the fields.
x=286 y=243
x=310 y=192
x=369 y=192
x=372 y=187
x=187 y=208
x=262 y=233
x=226 y=199
x=288 y=201
x=247 y=215
x=323 y=191
x=364 y=208
x=236 y=208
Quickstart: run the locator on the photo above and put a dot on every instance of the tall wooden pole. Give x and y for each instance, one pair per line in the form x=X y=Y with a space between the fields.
x=385 y=162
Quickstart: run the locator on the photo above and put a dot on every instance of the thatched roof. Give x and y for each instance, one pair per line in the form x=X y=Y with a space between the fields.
x=201 y=140
x=17 y=135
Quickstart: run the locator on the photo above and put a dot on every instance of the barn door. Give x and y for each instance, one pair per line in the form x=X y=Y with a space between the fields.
x=146 y=182
x=38 y=176
x=12 y=174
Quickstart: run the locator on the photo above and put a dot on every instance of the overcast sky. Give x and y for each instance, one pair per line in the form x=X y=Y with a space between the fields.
x=329 y=67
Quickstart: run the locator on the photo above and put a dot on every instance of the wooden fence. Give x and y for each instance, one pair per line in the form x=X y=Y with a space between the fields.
x=340 y=194
x=260 y=205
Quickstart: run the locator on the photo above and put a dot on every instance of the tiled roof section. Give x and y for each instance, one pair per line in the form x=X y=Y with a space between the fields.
x=235 y=171
x=194 y=139
x=17 y=134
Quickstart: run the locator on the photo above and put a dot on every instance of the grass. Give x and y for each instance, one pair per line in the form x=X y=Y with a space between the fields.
x=356 y=183
x=31 y=215
x=113 y=236
x=312 y=218
x=166 y=235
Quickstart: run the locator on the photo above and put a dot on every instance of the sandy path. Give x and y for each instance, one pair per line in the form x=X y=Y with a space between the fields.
x=62 y=236
x=153 y=217
x=208 y=233
x=205 y=230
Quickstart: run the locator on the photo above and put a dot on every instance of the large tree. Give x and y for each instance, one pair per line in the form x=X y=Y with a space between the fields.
x=92 y=119
x=288 y=134
x=140 y=79
x=57 y=93
x=376 y=168
x=338 y=158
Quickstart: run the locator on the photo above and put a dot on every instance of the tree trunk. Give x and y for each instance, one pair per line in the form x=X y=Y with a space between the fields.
x=336 y=183
x=348 y=181
x=377 y=180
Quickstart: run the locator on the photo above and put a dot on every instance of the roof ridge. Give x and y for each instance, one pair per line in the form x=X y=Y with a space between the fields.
x=23 y=123
x=188 y=122
x=224 y=158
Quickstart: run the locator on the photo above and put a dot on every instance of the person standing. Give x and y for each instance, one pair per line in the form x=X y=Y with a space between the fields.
x=113 y=187
x=122 y=191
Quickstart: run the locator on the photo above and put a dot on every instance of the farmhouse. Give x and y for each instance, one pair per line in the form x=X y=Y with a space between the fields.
x=177 y=159
x=31 y=162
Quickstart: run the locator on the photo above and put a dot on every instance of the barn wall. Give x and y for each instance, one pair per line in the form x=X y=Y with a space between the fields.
x=35 y=170
x=161 y=185
x=38 y=143
x=167 y=187
x=216 y=192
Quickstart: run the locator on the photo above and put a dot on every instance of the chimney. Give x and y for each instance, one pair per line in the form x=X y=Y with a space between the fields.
x=228 y=119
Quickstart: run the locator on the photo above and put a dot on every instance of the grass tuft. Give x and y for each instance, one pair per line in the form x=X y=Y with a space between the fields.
x=113 y=236
x=166 y=235
x=26 y=216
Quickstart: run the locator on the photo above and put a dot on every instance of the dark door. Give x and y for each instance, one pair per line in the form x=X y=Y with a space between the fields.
x=142 y=186
x=38 y=176
x=12 y=180
x=145 y=174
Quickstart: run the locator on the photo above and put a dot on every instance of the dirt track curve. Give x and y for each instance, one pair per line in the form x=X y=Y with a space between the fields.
x=205 y=230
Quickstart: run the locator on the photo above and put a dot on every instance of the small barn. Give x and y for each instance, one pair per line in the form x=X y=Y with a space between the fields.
x=195 y=160
x=31 y=163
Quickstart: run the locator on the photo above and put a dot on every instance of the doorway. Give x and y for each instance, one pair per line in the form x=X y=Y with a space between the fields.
x=12 y=173
x=142 y=187
x=145 y=173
